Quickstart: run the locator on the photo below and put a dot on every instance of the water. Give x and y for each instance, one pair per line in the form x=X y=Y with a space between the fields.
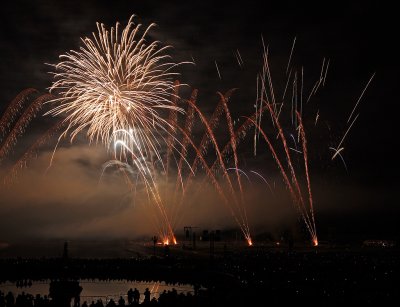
x=98 y=289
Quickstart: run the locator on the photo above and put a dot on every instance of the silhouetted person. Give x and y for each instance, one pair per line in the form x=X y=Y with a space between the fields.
x=121 y=301
x=10 y=299
x=2 y=300
x=111 y=303
x=153 y=301
x=46 y=301
x=136 y=296
x=146 y=296
x=63 y=291
x=77 y=301
x=130 y=296
x=163 y=298
x=84 y=304
x=38 y=300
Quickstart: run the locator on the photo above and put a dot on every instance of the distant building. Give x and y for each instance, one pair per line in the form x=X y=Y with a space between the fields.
x=65 y=252
x=379 y=243
x=217 y=235
x=205 y=235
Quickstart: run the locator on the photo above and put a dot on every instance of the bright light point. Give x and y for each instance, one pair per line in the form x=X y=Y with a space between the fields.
x=315 y=242
x=175 y=242
x=250 y=242
x=166 y=242
x=119 y=142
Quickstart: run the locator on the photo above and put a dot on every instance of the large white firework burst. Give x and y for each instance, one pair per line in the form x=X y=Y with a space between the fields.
x=117 y=81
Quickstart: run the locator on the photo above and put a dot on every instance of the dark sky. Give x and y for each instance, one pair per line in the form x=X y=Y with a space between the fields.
x=358 y=38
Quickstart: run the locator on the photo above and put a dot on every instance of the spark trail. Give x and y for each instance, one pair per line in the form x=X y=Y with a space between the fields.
x=118 y=82
x=20 y=126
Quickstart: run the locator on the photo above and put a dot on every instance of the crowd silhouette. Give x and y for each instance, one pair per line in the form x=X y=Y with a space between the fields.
x=132 y=298
x=237 y=277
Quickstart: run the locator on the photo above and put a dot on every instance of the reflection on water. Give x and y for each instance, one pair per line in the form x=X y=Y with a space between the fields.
x=98 y=289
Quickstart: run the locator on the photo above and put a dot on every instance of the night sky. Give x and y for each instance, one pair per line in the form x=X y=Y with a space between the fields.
x=357 y=37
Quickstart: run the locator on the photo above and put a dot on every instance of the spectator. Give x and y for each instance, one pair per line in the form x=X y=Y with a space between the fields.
x=146 y=296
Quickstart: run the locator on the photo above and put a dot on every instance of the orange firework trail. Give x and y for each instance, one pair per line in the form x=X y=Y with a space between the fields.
x=305 y=156
x=296 y=119
x=215 y=143
x=188 y=130
x=209 y=173
x=213 y=123
x=22 y=123
x=286 y=148
x=173 y=119
x=33 y=149
x=200 y=151
x=184 y=181
x=239 y=134
x=243 y=224
x=217 y=186
x=189 y=121
x=13 y=109
x=293 y=173
x=234 y=147
x=240 y=215
x=295 y=196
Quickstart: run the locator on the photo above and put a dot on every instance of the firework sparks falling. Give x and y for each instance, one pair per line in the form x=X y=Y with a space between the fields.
x=116 y=87
x=32 y=151
x=219 y=73
x=13 y=109
x=361 y=96
x=116 y=81
x=24 y=120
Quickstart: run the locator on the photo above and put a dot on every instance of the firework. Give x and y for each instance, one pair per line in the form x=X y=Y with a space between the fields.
x=32 y=151
x=23 y=121
x=116 y=81
x=13 y=110
x=119 y=89
x=266 y=99
x=116 y=88
x=339 y=148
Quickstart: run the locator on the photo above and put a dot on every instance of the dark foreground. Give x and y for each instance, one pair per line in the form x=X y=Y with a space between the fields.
x=249 y=277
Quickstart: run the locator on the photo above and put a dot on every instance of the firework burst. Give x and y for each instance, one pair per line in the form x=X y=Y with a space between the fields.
x=115 y=81
x=118 y=87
